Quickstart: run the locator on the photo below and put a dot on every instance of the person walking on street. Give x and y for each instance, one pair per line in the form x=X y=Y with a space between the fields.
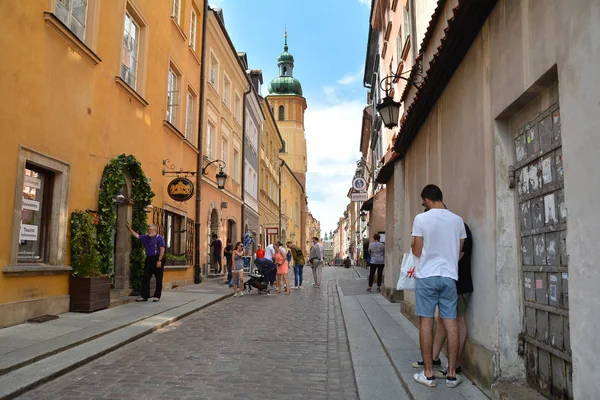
x=228 y=252
x=377 y=261
x=238 y=273
x=260 y=252
x=153 y=265
x=299 y=262
x=282 y=268
x=316 y=261
x=217 y=246
x=438 y=238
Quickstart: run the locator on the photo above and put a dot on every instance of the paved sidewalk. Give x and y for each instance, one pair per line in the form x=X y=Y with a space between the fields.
x=383 y=344
x=31 y=354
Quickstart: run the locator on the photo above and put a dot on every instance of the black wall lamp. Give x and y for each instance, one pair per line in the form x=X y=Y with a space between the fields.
x=389 y=109
x=221 y=176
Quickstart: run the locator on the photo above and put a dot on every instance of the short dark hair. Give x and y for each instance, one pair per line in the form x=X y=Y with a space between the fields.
x=316 y=238
x=432 y=192
x=228 y=240
x=376 y=236
x=214 y=235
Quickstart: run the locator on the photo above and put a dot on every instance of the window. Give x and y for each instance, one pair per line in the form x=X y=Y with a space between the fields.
x=73 y=13
x=189 y=116
x=33 y=237
x=281 y=113
x=172 y=97
x=213 y=74
x=406 y=24
x=285 y=180
x=193 y=23
x=237 y=108
x=262 y=134
x=131 y=48
x=285 y=148
x=210 y=138
x=174 y=233
x=176 y=10
x=236 y=165
x=226 y=91
x=224 y=152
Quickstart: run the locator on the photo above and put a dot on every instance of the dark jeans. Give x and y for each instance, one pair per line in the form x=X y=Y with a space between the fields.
x=379 y=269
x=298 y=272
x=217 y=263
x=229 y=269
x=149 y=270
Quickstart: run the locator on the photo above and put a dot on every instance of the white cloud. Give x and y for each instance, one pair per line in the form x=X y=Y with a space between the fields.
x=365 y=2
x=329 y=91
x=348 y=79
x=333 y=137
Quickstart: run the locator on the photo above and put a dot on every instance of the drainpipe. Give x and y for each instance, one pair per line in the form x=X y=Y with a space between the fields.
x=197 y=274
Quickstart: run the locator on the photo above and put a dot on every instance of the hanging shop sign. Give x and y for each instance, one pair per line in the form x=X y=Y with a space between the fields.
x=272 y=231
x=180 y=189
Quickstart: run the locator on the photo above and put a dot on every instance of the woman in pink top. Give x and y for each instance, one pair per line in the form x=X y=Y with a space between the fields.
x=282 y=268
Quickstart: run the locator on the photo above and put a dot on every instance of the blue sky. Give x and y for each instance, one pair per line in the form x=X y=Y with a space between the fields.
x=328 y=40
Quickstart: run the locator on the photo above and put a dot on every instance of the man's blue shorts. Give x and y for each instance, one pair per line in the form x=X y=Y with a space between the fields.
x=436 y=290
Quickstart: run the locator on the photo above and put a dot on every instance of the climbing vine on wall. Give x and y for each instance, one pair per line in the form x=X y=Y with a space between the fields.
x=113 y=180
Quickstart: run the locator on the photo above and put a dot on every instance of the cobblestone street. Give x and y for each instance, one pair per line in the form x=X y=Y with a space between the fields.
x=253 y=347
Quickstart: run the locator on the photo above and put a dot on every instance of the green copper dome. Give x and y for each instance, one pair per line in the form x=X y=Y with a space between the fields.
x=285 y=83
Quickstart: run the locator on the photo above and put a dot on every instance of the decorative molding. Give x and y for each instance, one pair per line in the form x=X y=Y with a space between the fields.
x=64 y=32
x=195 y=55
x=176 y=267
x=181 y=32
x=173 y=129
x=131 y=91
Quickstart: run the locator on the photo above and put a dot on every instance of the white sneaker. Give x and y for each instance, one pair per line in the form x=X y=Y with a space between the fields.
x=300 y=287
x=452 y=383
x=423 y=380
x=294 y=287
x=241 y=293
x=235 y=294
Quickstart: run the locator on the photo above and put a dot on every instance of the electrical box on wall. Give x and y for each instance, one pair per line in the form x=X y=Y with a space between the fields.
x=223 y=204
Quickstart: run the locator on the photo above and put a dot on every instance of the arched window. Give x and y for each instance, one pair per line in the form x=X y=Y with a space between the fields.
x=281 y=113
x=284 y=71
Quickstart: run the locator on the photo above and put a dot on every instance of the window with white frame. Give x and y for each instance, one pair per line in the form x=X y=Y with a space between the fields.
x=73 y=13
x=176 y=10
x=189 y=115
x=224 y=152
x=210 y=138
x=236 y=165
x=226 y=91
x=131 y=50
x=213 y=72
x=406 y=28
x=193 y=24
x=172 y=96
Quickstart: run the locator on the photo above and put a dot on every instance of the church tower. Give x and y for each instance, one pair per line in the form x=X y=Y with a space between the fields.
x=285 y=96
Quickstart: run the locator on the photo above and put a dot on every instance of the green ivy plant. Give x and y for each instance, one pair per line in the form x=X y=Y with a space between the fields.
x=85 y=257
x=172 y=257
x=113 y=180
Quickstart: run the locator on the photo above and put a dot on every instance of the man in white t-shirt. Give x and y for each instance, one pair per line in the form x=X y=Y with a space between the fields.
x=438 y=237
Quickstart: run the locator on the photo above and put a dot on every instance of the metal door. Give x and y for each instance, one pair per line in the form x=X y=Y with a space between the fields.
x=544 y=257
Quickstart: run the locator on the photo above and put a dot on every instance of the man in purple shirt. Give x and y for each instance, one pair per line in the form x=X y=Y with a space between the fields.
x=155 y=253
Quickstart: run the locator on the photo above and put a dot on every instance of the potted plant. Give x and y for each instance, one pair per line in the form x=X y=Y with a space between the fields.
x=172 y=259
x=89 y=291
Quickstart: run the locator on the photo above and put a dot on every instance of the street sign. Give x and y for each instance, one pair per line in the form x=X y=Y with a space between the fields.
x=359 y=196
x=272 y=231
x=359 y=184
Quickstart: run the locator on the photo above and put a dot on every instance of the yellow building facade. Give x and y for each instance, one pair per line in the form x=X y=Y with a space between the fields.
x=226 y=84
x=84 y=85
x=292 y=193
x=270 y=146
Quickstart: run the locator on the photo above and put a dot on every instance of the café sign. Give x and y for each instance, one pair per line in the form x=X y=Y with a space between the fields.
x=180 y=189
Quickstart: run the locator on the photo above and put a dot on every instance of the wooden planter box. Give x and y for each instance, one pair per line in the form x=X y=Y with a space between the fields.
x=175 y=262
x=89 y=294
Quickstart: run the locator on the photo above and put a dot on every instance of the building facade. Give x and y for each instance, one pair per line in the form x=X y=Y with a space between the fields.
x=503 y=122
x=132 y=116
x=226 y=83
x=271 y=144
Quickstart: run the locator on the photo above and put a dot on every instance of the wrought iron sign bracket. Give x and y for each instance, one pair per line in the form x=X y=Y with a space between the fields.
x=418 y=78
x=173 y=171
x=220 y=164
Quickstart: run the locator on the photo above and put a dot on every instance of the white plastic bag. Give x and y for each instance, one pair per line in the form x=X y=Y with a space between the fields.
x=407 y=279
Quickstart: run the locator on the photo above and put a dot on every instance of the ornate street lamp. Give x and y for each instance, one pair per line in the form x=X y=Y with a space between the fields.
x=221 y=176
x=389 y=109
x=363 y=216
